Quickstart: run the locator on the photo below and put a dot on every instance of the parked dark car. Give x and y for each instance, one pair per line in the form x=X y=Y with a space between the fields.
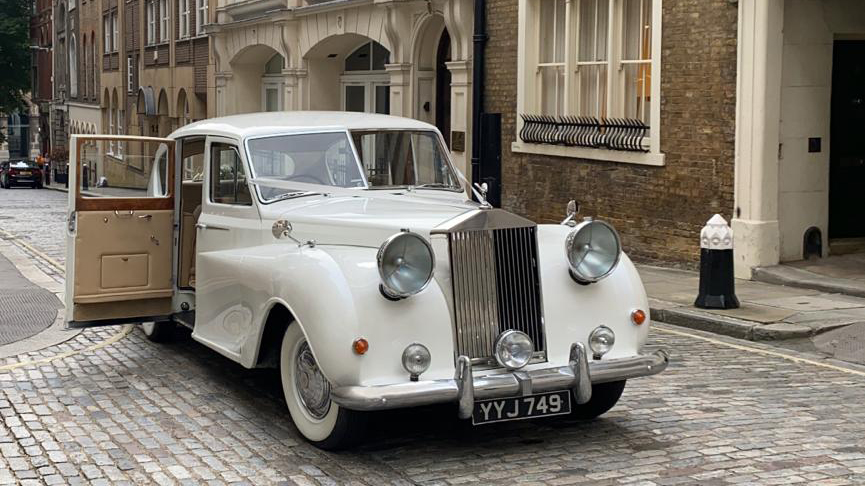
x=20 y=172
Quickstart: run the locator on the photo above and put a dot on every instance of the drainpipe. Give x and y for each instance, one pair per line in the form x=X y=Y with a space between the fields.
x=480 y=40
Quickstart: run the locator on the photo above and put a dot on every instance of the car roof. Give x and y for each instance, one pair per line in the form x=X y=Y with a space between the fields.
x=255 y=124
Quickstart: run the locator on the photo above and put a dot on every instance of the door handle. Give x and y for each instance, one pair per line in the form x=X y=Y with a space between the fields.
x=125 y=214
x=146 y=216
x=203 y=226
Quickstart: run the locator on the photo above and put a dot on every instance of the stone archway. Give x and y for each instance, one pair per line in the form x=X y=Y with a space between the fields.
x=251 y=69
x=347 y=72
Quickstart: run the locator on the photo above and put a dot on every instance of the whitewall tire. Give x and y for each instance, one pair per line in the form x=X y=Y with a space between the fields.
x=157 y=332
x=307 y=394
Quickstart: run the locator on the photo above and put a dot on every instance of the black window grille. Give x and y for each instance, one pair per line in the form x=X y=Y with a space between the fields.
x=585 y=131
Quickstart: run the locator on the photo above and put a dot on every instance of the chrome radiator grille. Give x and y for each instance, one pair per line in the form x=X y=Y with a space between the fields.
x=496 y=287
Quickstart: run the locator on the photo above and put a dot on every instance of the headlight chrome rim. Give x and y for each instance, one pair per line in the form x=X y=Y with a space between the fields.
x=388 y=290
x=502 y=341
x=570 y=241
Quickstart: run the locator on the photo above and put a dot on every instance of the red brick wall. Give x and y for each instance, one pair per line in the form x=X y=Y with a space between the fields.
x=658 y=211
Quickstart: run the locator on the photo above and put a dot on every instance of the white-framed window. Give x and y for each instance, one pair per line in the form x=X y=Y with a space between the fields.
x=163 y=21
x=110 y=128
x=106 y=29
x=183 y=18
x=115 y=34
x=201 y=18
x=130 y=87
x=118 y=117
x=590 y=58
x=73 y=67
x=151 y=22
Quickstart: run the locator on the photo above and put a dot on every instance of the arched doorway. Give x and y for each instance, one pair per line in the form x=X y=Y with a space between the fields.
x=432 y=52
x=443 y=87
x=365 y=82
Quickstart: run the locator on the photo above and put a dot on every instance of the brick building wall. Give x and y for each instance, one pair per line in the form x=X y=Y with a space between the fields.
x=658 y=211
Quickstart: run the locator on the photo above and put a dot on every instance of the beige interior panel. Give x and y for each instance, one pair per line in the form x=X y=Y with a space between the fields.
x=124 y=271
x=190 y=200
x=104 y=238
x=122 y=309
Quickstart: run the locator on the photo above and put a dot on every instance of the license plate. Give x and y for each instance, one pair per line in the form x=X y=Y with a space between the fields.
x=518 y=408
x=24 y=173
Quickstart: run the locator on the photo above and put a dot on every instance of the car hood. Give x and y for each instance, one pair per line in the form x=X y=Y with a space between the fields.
x=365 y=219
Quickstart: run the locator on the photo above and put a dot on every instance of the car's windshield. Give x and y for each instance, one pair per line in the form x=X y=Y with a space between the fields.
x=390 y=158
x=403 y=158
x=312 y=158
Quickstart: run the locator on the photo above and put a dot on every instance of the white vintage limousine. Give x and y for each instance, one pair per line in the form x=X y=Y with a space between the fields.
x=345 y=250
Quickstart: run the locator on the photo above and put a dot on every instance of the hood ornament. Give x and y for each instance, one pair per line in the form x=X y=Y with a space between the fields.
x=571 y=213
x=480 y=191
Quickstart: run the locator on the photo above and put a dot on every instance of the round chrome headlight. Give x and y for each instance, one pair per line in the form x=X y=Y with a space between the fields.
x=601 y=340
x=593 y=250
x=514 y=349
x=416 y=359
x=405 y=265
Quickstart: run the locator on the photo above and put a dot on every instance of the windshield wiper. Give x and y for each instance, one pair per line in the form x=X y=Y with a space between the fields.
x=292 y=195
x=436 y=185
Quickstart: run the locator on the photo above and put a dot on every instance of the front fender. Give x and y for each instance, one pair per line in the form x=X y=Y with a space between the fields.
x=572 y=310
x=333 y=292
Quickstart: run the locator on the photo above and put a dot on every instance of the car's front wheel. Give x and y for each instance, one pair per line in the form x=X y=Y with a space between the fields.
x=604 y=397
x=307 y=393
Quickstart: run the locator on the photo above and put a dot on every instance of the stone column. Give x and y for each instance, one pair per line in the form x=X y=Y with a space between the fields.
x=461 y=114
x=400 y=89
x=292 y=81
x=223 y=97
x=758 y=112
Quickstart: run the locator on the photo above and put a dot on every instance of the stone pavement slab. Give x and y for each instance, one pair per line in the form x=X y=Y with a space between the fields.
x=843 y=274
x=767 y=311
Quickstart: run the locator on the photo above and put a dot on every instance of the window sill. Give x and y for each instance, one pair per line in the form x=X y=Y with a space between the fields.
x=638 y=158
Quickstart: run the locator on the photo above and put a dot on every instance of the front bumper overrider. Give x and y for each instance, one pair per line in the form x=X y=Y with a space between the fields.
x=464 y=388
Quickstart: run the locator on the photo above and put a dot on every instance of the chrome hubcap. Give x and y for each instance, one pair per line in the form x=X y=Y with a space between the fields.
x=312 y=387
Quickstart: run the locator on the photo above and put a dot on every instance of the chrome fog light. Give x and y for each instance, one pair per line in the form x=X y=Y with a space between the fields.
x=601 y=341
x=416 y=359
x=514 y=349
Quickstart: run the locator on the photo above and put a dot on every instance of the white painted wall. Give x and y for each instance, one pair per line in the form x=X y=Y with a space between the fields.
x=810 y=28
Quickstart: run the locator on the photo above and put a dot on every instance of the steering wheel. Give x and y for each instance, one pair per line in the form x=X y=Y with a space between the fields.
x=314 y=179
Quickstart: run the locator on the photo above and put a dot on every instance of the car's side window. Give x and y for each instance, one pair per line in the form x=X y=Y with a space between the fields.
x=227 y=176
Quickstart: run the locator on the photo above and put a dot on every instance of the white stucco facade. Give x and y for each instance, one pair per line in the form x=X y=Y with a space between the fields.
x=315 y=41
x=784 y=99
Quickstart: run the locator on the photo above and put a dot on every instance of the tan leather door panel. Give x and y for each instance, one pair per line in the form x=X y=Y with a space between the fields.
x=123 y=255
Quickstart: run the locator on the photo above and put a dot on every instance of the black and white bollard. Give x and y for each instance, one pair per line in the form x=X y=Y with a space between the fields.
x=717 y=286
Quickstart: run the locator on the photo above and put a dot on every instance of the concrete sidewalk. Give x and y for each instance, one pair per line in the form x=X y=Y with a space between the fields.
x=767 y=312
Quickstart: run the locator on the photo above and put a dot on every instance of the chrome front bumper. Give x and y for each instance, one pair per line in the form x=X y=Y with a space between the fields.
x=465 y=388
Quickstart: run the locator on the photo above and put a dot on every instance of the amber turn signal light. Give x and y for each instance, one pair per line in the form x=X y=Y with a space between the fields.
x=638 y=316
x=360 y=346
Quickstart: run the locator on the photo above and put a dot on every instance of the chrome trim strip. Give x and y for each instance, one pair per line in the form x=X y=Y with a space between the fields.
x=464 y=391
x=482 y=219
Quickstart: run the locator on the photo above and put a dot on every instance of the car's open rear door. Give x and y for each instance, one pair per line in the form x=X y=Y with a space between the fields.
x=120 y=230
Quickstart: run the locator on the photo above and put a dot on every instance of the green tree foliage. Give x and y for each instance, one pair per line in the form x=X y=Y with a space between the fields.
x=14 y=54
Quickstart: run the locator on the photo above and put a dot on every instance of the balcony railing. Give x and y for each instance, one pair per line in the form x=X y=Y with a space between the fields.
x=625 y=134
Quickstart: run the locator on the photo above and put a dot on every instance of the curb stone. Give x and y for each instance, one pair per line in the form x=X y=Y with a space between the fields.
x=728 y=326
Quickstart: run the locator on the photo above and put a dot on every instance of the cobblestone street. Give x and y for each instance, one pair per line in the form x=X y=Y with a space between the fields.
x=109 y=406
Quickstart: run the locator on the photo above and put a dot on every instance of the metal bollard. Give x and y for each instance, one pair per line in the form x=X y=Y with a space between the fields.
x=717 y=286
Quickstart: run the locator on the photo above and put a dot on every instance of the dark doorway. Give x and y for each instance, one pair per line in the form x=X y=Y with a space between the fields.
x=847 y=132
x=443 y=87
